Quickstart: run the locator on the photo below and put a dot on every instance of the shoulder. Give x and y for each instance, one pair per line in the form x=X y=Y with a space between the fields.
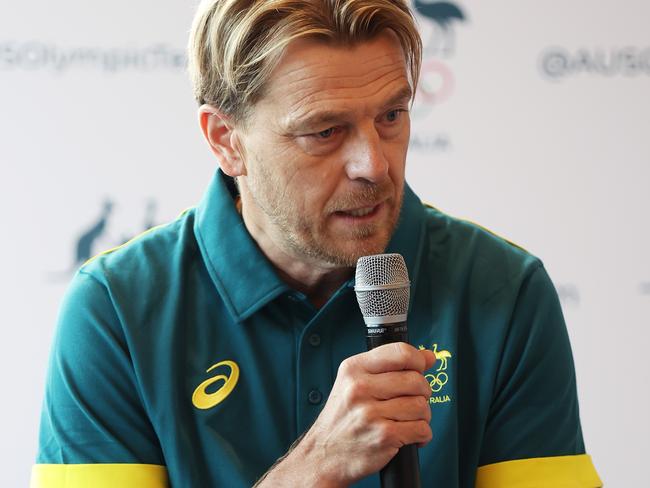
x=130 y=282
x=464 y=253
x=149 y=256
x=118 y=296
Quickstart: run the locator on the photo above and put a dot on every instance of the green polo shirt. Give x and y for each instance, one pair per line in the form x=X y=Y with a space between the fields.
x=182 y=359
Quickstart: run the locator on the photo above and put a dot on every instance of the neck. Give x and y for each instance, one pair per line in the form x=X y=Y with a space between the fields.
x=318 y=281
x=318 y=287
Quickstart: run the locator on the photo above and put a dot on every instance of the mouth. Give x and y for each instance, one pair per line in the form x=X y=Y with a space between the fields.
x=360 y=213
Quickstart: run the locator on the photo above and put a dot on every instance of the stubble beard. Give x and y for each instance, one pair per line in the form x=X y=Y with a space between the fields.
x=315 y=243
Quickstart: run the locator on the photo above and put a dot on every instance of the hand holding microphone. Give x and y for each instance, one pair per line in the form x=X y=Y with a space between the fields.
x=378 y=404
x=378 y=410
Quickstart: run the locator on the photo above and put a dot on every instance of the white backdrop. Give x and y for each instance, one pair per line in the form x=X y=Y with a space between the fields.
x=534 y=120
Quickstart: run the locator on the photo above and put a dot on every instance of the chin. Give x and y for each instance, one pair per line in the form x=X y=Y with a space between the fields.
x=348 y=256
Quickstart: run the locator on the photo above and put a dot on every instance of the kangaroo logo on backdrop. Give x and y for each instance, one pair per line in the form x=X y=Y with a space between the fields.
x=96 y=236
x=203 y=400
x=86 y=240
x=439 y=378
x=437 y=81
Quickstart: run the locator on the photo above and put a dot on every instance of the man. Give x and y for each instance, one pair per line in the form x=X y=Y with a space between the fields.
x=305 y=106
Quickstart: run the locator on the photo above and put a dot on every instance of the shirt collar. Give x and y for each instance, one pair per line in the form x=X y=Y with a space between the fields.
x=242 y=274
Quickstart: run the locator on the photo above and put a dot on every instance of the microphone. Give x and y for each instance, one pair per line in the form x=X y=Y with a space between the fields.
x=382 y=287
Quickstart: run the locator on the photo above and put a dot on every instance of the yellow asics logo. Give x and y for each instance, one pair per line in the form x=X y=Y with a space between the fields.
x=203 y=400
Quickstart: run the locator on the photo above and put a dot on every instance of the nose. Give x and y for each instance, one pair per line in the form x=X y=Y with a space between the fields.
x=365 y=157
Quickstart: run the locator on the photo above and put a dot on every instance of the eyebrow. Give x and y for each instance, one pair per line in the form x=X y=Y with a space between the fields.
x=335 y=116
x=405 y=94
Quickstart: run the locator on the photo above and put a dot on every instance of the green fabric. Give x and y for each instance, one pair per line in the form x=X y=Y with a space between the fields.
x=140 y=326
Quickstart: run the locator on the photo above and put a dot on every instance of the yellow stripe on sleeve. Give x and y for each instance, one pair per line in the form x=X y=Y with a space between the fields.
x=99 y=476
x=548 y=472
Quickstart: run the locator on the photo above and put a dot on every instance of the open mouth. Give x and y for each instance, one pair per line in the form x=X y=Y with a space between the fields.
x=360 y=213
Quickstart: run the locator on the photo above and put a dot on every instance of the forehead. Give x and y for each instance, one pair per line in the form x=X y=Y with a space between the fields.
x=314 y=75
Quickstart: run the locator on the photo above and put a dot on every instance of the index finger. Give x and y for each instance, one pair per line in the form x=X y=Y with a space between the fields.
x=396 y=356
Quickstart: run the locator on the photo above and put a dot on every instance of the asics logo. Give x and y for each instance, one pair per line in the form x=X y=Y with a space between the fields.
x=203 y=400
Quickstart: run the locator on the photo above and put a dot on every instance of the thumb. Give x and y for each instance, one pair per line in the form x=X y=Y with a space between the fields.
x=429 y=357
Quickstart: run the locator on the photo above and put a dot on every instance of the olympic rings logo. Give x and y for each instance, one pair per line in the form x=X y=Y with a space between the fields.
x=437 y=381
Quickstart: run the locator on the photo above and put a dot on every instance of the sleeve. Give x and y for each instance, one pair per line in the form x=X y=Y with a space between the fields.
x=533 y=437
x=94 y=428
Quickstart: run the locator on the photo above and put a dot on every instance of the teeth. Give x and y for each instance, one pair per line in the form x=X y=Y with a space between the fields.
x=361 y=212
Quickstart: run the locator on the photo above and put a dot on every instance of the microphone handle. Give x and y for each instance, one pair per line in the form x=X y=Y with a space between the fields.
x=403 y=471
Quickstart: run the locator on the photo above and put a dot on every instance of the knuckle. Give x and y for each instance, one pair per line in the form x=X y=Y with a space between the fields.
x=421 y=408
x=422 y=404
x=346 y=367
x=424 y=385
x=427 y=411
x=356 y=390
x=415 y=379
x=417 y=383
x=365 y=415
x=424 y=431
x=385 y=434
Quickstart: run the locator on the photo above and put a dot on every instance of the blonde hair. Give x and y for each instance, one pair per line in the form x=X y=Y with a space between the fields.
x=235 y=44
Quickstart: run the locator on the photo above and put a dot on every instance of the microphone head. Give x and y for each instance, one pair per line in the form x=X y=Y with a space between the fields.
x=382 y=286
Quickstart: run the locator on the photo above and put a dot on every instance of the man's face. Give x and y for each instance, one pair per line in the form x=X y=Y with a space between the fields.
x=324 y=151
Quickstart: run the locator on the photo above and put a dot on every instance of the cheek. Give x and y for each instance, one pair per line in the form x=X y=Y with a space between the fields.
x=315 y=177
x=395 y=153
x=304 y=182
x=270 y=163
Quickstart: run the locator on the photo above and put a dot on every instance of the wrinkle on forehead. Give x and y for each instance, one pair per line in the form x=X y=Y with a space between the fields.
x=319 y=75
x=299 y=65
x=302 y=108
x=313 y=74
x=333 y=82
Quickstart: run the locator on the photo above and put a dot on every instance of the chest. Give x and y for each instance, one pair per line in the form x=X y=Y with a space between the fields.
x=228 y=399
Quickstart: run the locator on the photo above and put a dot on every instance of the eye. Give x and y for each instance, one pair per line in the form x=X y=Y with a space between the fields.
x=393 y=115
x=326 y=134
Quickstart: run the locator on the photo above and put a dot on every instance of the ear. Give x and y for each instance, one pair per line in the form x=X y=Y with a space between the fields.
x=223 y=139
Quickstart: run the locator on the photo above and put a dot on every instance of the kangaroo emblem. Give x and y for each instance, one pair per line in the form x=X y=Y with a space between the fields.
x=149 y=220
x=86 y=241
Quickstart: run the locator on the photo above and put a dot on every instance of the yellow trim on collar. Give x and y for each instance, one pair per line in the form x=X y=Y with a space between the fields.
x=548 y=472
x=99 y=476
x=476 y=224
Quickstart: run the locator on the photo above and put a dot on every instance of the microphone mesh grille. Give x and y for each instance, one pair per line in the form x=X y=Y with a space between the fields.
x=379 y=270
